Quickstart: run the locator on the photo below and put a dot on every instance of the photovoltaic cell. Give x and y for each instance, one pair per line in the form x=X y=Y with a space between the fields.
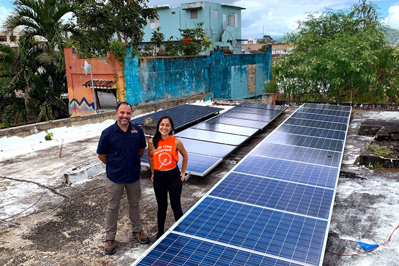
x=248 y=116
x=182 y=115
x=207 y=148
x=262 y=106
x=223 y=128
x=276 y=194
x=327 y=112
x=316 y=124
x=238 y=122
x=299 y=154
x=285 y=235
x=257 y=111
x=212 y=136
x=308 y=174
x=306 y=141
x=327 y=106
x=312 y=131
x=325 y=118
x=182 y=250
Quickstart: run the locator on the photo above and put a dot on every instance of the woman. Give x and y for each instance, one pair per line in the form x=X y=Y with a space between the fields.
x=163 y=155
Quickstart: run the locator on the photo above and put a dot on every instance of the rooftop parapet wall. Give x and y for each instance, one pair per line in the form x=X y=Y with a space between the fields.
x=225 y=76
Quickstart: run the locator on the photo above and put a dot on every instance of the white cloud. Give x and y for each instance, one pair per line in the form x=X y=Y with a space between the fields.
x=393 y=18
x=277 y=17
x=4 y=12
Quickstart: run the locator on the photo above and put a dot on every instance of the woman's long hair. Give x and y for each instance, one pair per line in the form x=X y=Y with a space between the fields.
x=157 y=136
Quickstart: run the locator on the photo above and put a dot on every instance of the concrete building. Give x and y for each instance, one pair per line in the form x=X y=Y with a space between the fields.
x=277 y=48
x=11 y=40
x=222 y=23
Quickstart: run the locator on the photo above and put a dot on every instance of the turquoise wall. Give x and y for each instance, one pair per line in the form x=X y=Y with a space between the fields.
x=225 y=76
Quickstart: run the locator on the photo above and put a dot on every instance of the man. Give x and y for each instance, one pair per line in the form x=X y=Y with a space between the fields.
x=120 y=148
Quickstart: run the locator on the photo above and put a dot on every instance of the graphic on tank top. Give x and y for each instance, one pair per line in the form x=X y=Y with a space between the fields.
x=164 y=157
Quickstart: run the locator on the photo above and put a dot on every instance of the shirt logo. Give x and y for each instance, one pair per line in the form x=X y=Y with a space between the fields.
x=133 y=130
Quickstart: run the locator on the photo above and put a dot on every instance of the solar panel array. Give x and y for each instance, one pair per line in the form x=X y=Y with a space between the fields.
x=273 y=207
x=182 y=115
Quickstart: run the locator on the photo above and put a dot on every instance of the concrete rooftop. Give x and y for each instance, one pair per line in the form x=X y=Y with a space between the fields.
x=44 y=221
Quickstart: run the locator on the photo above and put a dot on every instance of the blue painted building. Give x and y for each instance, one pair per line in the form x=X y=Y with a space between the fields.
x=222 y=23
x=149 y=79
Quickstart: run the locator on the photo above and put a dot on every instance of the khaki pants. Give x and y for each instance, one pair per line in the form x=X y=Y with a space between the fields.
x=115 y=192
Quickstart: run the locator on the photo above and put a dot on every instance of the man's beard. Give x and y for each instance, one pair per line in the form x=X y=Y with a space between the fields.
x=122 y=122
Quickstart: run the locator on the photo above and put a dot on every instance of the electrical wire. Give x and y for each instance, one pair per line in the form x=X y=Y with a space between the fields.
x=357 y=254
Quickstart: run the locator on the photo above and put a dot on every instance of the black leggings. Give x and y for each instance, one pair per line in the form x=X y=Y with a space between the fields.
x=165 y=181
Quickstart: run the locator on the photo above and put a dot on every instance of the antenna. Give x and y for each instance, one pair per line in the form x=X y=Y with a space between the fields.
x=88 y=68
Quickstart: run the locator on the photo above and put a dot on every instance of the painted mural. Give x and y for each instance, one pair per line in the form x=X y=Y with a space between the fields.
x=81 y=100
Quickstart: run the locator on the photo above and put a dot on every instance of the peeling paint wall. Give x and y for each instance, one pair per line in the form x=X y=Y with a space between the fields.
x=81 y=98
x=225 y=76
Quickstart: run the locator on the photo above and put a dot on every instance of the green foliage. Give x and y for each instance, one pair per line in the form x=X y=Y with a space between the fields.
x=172 y=46
x=266 y=39
x=119 y=50
x=101 y=20
x=380 y=151
x=158 y=37
x=49 y=136
x=377 y=165
x=197 y=40
x=337 y=53
x=270 y=86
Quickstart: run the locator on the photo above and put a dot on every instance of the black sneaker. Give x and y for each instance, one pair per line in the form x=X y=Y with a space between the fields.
x=109 y=247
x=141 y=237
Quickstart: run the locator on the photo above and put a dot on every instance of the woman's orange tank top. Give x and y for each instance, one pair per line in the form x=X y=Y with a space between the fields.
x=166 y=156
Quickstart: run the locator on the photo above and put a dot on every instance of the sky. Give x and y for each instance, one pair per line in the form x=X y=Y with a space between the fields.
x=272 y=17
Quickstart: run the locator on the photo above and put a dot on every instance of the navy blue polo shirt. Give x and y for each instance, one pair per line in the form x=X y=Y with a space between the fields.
x=122 y=150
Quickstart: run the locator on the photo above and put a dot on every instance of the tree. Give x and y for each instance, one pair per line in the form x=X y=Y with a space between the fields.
x=103 y=20
x=266 y=39
x=43 y=18
x=337 y=54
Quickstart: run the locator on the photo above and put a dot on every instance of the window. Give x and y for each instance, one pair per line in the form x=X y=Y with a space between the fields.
x=233 y=20
x=224 y=21
x=3 y=38
x=216 y=14
x=193 y=14
x=13 y=38
x=154 y=23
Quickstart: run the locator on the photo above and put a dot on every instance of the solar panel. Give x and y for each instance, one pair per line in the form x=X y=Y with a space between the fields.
x=197 y=164
x=207 y=148
x=178 y=249
x=270 y=112
x=276 y=194
x=304 y=173
x=254 y=228
x=223 y=128
x=312 y=131
x=262 y=106
x=182 y=115
x=299 y=154
x=238 y=122
x=315 y=124
x=276 y=202
x=306 y=141
x=212 y=136
x=248 y=116
x=321 y=117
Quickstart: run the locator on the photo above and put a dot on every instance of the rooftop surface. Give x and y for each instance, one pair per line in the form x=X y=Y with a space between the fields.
x=44 y=221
